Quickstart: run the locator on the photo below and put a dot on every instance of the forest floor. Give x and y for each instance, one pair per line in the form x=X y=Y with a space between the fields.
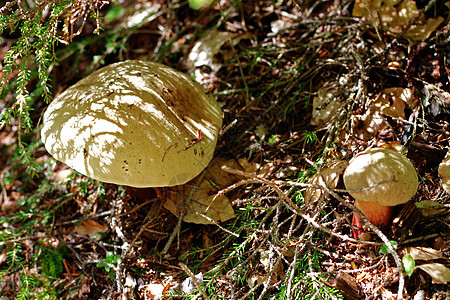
x=267 y=63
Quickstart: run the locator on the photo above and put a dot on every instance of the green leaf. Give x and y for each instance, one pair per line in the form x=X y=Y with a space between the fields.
x=408 y=264
x=110 y=259
x=273 y=139
x=385 y=250
x=112 y=275
x=197 y=4
x=107 y=268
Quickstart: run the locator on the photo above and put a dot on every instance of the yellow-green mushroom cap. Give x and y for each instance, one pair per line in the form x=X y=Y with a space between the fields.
x=383 y=176
x=134 y=123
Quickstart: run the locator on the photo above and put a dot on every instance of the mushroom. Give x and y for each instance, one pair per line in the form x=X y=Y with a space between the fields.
x=378 y=179
x=134 y=123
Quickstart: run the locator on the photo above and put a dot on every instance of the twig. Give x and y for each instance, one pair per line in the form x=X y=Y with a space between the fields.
x=8 y=6
x=269 y=212
x=294 y=207
x=187 y=201
x=40 y=236
x=137 y=208
x=192 y=276
x=420 y=238
x=291 y=273
x=217 y=224
x=153 y=211
x=366 y=4
x=80 y=259
x=125 y=248
x=228 y=127
x=273 y=268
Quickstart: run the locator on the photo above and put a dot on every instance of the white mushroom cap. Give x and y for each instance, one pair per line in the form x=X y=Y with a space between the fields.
x=135 y=123
x=444 y=172
x=387 y=176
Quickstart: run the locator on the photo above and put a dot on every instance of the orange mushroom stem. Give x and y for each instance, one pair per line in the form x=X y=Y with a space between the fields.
x=377 y=214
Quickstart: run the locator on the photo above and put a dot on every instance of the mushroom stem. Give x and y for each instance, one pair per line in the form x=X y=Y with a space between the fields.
x=377 y=214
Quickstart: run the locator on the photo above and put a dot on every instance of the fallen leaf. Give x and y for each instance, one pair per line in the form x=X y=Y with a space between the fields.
x=255 y=168
x=424 y=253
x=219 y=210
x=390 y=102
x=266 y=257
x=255 y=279
x=325 y=106
x=219 y=176
x=281 y=25
x=429 y=208
x=205 y=199
x=210 y=45
x=395 y=16
x=393 y=101
x=90 y=227
x=3 y=257
x=346 y=284
x=84 y=287
x=439 y=273
x=327 y=176
x=439 y=243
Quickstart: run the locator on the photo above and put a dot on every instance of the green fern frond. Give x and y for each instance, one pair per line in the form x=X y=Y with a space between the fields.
x=30 y=58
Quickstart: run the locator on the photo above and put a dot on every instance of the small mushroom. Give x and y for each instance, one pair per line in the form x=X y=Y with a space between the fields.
x=378 y=179
x=135 y=123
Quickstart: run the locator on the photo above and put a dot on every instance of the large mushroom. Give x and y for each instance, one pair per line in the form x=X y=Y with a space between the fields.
x=379 y=179
x=134 y=123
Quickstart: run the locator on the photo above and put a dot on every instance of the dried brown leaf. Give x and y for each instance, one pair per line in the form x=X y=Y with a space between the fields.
x=439 y=273
x=325 y=106
x=424 y=253
x=90 y=227
x=327 y=176
x=210 y=45
x=390 y=102
x=205 y=200
x=395 y=16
